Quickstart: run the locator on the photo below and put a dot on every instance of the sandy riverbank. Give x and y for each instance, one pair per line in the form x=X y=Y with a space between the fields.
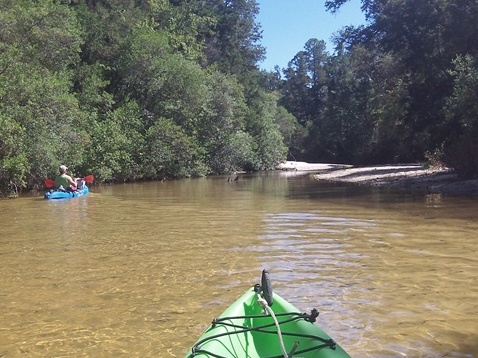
x=408 y=176
x=309 y=167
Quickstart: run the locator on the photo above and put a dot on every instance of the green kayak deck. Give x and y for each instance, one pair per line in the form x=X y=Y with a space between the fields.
x=244 y=331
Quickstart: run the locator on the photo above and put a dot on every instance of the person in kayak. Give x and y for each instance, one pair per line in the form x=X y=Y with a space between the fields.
x=65 y=182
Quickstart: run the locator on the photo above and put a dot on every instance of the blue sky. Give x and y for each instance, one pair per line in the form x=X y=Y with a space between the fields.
x=288 y=24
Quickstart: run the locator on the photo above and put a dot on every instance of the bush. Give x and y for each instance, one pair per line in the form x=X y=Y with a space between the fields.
x=461 y=155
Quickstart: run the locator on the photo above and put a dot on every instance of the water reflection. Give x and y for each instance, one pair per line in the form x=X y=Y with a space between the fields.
x=141 y=269
x=376 y=276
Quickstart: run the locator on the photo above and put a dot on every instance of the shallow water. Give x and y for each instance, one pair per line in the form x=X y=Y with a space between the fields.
x=139 y=270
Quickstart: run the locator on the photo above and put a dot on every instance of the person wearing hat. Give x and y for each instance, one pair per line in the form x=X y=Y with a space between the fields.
x=63 y=181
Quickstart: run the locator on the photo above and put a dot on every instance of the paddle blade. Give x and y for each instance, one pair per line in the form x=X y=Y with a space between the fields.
x=49 y=183
x=89 y=179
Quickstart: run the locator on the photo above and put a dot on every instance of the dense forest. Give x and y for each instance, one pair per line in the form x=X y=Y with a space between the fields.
x=134 y=90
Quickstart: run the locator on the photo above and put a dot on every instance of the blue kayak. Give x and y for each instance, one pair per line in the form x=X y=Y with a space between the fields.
x=61 y=194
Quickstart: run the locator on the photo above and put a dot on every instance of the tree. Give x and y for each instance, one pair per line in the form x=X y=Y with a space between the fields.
x=45 y=33
x=412 y=46
x=171 y=152
x=220 y=126
x=262 y=123
x=232 y=45
x=39 y=43
x=117 y=146
x=461 y=146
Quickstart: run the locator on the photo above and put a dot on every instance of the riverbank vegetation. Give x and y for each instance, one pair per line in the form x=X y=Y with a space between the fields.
x=151 y=89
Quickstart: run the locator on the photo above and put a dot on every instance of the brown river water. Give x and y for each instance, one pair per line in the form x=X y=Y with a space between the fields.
x=140 y=270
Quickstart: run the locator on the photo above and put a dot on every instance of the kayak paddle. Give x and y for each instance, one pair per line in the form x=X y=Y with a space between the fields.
x=50 y=183
x=89 y=179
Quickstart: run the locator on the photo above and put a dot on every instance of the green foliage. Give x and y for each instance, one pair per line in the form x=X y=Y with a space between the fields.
x=46 y=33
x=182 y=92
x=296 y=92
x=39 y=103
x=292 y=132
x=106 y=26
x=152 y=89
x=232 y=40
x=116 y=149
x=170 y=152
x=13 y=162
x=388 y=93
x=40 y=116
x=129 y=90
x=220 y=123
x=262 y=124
x=462 y=105
x=462 y=108
x=343 y=127
x=234 y=154
x=461 y=154
x=186 y=26
x=91 y=88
